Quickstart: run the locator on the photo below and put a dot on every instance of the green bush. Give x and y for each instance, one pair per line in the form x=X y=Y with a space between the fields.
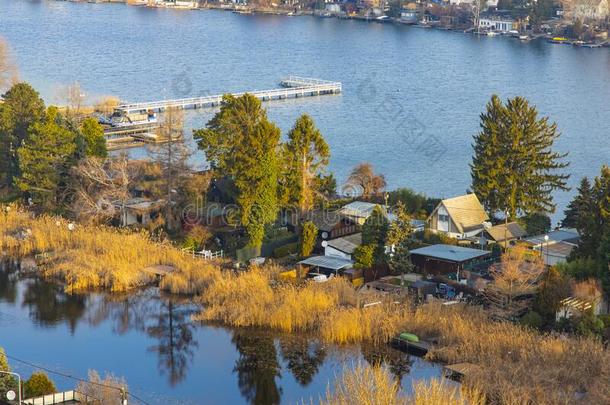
x=364 y=256
x=286 y=250
x=532 y=319
x=309 y=234
x=38 y=385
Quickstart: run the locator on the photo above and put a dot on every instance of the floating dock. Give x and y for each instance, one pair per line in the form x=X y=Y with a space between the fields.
x=291 y=87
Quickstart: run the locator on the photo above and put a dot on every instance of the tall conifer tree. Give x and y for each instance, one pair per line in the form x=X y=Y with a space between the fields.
x=514 y=168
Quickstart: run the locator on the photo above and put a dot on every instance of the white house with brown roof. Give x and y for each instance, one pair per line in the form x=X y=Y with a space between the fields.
x=458 y=217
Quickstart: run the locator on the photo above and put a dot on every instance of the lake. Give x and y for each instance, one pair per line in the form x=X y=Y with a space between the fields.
x=411 y=100
x=166 y=359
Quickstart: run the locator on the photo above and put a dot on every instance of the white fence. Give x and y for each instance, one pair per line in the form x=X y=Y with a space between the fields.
x=62 y=398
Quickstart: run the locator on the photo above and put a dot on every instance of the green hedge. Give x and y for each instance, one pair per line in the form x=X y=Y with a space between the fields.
x=286 y=250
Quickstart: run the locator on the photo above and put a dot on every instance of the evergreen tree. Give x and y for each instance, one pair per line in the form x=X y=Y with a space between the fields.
x=44 y=159
x=593 y=215
x=93 y=136
x=375 y=232
x=241 y=143
x=256 y=180
x=38 y=385
x=307 y=155
x=554 y=287
x=399 y=232
x=579 y=206
x=21 y=108
x=514 y=167
x=309 y=234
x=364 y=256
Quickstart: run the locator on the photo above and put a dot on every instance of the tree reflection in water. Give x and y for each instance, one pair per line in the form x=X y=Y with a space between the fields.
x=398 y=363
x=303 y=357
x=50 y=305
x=257 y=367
x=8 y=283
x=173 y=329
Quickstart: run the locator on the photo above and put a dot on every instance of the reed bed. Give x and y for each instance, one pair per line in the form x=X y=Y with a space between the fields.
x=364 y=384
x=90 y=257
x=326 y=309
x=515 y=365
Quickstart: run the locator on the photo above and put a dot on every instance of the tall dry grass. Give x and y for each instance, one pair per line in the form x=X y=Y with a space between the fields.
x=248 y=299
x=515 y=365
x=373 y=385
x=89 y=257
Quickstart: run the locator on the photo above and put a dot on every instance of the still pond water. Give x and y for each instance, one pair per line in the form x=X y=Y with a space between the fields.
x=165 y=357
x=411 y=97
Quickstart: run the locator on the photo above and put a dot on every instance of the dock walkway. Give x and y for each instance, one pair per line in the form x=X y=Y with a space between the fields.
x=291 y=87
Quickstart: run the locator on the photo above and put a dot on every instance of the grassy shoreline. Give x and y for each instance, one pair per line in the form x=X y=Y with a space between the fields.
x=515 y=364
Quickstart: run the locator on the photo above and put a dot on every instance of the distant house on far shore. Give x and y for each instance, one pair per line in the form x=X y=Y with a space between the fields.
x=459 y=217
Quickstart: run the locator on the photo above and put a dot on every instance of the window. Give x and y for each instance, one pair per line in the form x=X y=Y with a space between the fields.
x=443 y=218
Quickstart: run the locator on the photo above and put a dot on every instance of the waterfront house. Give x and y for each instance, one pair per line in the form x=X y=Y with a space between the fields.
x=555 y=246
x=343 y=247
x=459 y=217
x=504 y=234
x=498 y=23
x=443 y=259
x=409 y=14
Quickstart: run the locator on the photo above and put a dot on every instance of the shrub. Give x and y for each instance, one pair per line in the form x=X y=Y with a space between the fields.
x=364 y=256
x=286 y=250
x=38 y=385
x=309 y=234
x=532 y=319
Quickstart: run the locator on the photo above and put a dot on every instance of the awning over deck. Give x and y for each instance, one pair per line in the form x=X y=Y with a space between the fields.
x=327 y=262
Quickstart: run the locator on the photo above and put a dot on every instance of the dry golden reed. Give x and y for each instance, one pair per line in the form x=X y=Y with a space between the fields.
x=90 y=257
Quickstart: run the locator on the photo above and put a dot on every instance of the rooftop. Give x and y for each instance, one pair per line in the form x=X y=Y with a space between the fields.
x=512 y=230
x=558 y=235
x=327 y=262
x=346 y=244
x=466 y=211
x=358 y=209
x=450 y=252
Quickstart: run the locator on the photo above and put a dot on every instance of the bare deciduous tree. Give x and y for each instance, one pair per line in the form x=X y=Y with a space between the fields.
x=74 y=97
x=364 y=179
x=108 y=390
x=100 y=187
x=172 y=157
x=8 y=68
x=515 y=280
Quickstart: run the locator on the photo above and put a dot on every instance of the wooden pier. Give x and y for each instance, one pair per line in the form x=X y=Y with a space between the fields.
x=291 y=87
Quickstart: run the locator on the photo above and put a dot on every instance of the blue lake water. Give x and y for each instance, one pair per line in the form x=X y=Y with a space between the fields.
x=165 y=357
x=411 y=98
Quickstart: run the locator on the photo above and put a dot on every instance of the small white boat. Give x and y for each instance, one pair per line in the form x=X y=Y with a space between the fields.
x=524 y=38
x=491 y=33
